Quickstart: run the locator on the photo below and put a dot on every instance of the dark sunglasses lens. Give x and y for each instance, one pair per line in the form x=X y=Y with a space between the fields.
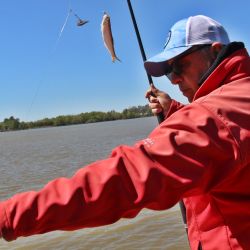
x=168 y=72
x=174 y=70
x=169 y=76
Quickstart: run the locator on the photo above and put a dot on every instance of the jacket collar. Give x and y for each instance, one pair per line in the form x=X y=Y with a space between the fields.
x=227 y=68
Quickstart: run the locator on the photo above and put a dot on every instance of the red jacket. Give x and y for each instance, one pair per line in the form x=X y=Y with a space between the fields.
x=200 y=154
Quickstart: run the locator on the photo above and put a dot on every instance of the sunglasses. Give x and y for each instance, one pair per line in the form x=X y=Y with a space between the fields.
x=177 y=69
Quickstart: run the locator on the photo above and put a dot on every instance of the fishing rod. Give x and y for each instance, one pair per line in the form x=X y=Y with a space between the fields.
x=160 y=116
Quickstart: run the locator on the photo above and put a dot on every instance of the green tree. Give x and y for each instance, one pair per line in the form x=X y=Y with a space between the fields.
x=10 y=123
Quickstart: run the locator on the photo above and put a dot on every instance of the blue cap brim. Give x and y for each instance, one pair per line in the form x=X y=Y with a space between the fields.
x=158 y=66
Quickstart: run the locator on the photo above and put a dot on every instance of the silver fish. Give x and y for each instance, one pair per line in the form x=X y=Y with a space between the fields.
x=107 y=36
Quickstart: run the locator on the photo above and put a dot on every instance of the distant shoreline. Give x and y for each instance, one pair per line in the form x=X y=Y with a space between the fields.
x=13 y=124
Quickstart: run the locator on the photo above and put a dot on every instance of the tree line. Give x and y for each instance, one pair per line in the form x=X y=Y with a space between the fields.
x=13 y=123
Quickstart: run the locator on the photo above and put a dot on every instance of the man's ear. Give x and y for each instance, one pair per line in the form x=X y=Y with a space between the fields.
x=216 y=47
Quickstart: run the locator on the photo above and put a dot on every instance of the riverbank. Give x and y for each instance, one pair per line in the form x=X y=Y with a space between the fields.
x=12 y=123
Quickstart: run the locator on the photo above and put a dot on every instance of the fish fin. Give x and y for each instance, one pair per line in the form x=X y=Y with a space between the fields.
x=114 y=58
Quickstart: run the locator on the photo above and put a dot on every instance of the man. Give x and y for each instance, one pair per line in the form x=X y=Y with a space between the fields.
x=199 y=154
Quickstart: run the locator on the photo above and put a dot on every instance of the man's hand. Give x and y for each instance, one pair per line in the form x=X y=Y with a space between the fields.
x=159 y=101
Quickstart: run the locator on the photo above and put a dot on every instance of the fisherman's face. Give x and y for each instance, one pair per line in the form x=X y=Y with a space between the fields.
x=187 y=70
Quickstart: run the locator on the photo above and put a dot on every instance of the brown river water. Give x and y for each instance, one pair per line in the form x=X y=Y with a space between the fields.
x=31 y=158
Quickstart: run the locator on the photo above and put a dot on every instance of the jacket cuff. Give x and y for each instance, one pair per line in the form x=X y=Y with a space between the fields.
x=174 y=106
x=4 y=225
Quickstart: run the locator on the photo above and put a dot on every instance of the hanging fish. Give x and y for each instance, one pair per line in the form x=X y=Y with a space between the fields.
x=107 y=36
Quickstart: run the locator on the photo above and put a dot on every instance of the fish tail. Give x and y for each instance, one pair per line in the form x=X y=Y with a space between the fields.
x=114 y=58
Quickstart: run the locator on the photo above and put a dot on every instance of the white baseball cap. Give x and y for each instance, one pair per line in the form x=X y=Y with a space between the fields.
x=194 y=30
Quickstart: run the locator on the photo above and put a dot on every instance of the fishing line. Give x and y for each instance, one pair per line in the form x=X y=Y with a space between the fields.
x=62 y=29
x=49 y=60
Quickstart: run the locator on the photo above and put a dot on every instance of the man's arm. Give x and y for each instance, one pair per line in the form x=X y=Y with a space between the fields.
x=183 y=156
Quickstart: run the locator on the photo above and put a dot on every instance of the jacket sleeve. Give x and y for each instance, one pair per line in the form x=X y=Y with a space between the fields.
x=174 y=106
x=181 y=157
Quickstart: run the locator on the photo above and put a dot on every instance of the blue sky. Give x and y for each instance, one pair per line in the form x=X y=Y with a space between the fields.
x=45 y=75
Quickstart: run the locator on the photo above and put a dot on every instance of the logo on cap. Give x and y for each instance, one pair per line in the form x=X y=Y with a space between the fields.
x=168 y=38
